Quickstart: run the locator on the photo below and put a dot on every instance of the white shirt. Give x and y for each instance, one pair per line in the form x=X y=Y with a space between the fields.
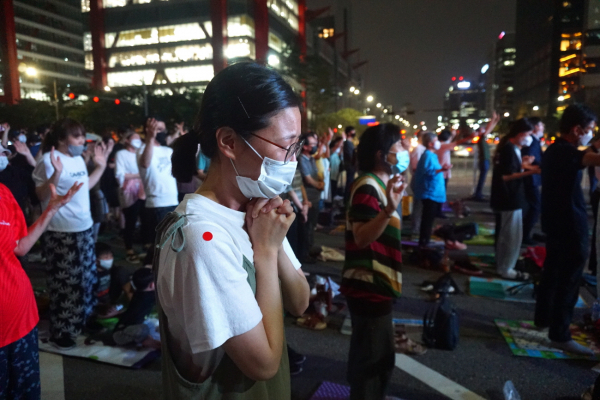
x=126 y=163
x=159 y=184
x=203 y=289
x=415 y=156
x=75 y=216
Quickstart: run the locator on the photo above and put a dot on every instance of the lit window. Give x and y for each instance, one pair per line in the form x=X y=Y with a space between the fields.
x=566 y=45
x=114 y=3
x=240 y=26
x=275 y=42
x=235 y=50
x=509 y=63
x=274 y=60
x=510 y=89
x=130 y=78
x=510 y=50
x=201 y=73
x=326 y=33
x=163 y=34
x=89 y=61
x=85 y=5
x=87 y=41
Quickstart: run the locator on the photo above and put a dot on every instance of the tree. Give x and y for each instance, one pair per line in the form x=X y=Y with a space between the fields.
x=28 y=113
x=345 y=117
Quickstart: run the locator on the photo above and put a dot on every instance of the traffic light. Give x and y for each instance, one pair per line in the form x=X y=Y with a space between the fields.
x=71 y=95
x=96 y=99
x=117 y=101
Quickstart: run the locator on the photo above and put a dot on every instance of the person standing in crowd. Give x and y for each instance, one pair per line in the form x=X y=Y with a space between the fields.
x=533 y=183
x=154 y=163
x=68 y=244
x=17 y=176
x=131 y=190
x=483 y=154
x=565 y=223
x=415 y=156
x=223 y=290
x=349 y=160
x=19 y=359
x=508 y=196
x=372 y=274
x=429 y=187
x=335 y=149
x=314 y=185
x=296 y=194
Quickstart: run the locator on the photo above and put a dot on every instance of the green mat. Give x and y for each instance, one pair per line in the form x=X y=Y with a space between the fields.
x=481 y=240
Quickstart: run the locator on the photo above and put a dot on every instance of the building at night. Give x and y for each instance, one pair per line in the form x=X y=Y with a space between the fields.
x=464 y=102
x=41 y=42
x=499 y=75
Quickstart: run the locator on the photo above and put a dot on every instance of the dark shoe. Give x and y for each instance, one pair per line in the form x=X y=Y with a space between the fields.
x=295 y=357
x=295 y=369
x=63 y=343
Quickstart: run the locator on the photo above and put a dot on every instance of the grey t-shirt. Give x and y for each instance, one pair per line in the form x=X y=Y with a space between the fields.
x=308 y=167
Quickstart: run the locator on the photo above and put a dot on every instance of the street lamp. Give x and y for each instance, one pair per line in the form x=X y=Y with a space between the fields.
x=507 y=114
x=340 y=126
x=535 y=108
x=378 y=105
x=352 y=88
x=30 y=71
x=369 y=98
x=357 y=92
x=107 y=88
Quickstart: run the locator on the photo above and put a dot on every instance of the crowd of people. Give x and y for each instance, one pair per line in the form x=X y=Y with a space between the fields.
x=226 y=215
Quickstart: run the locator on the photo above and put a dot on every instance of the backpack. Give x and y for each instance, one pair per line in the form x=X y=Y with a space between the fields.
x=440 y=325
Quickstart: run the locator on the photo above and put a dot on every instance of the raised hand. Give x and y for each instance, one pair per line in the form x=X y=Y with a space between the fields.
x=100 y=154
x=151 y=128
x=56 y=163
x=57 y=201
x=22 y=148
x=395 y=188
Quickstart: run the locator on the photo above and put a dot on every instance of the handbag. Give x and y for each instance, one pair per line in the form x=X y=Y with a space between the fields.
x=440 y=325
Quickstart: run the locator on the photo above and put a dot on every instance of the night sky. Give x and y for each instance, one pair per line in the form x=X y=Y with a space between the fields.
x=414 y=47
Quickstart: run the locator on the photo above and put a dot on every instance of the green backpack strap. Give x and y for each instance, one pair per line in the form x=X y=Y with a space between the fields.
x=170 y=228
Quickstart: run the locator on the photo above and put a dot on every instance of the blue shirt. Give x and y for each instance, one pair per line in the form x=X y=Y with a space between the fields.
x=427 y=183
x=203 y=162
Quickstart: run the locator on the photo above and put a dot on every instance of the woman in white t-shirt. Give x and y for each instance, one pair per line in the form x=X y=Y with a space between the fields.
x=219 y=290
x=131 y=189
x=68 y=243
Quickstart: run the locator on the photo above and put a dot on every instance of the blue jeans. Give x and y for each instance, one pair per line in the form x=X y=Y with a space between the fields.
x=484 y=166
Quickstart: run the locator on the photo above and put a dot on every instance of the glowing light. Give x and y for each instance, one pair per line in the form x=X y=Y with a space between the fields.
x=107 y=88
x=30 y=71
x=485 y=68
x=378 y=105
x=96 y=99
x=273 y=60
x=352 y=88
x=507 y=114
x=340 y=126
x=117 y=101
x=536 y=108
x=453 y=78
x=501 y=35
x=357 y=92
x=561 y=98
x=461 y=78
x=568 y=57
x=369 y=98
x=71 y=96
x=463 y=85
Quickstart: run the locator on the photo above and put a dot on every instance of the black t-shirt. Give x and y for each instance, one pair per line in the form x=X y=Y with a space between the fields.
x=140 y=306
x=563 y=206
x=20 y=183
x=507 y=195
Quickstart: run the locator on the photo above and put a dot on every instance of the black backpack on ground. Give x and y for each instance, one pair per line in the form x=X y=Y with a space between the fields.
x=440 y=325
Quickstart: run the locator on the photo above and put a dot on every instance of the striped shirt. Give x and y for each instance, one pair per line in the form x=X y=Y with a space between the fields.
x=374 y=272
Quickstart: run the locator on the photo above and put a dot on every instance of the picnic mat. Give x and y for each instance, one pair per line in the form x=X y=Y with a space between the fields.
x=525 y=340
x=331 y=391
x=130 y=357
x=500 y=289
x=481 y=240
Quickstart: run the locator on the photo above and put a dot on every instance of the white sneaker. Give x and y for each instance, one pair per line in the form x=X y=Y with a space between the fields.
x=573 y=347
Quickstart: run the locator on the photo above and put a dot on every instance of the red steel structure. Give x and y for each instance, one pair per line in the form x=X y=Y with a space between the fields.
x=8 y=45
x=99 y=54
x=218 y=17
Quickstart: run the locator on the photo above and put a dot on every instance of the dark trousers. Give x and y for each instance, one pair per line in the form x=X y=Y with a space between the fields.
x=297 y=236
x=595 y=200
x=153 y=216
x=131 y=215
x=349 y=181
x=20 y=369
x=372 y=353
x=532 y=210
x=559 y=287
x=309 y=228
x=430 y=210
x=484 y=166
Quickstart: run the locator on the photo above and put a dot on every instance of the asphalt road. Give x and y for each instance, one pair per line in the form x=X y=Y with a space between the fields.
x=481 y=363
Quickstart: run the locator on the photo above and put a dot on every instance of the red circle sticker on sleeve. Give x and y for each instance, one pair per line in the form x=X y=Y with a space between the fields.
x=207 y=236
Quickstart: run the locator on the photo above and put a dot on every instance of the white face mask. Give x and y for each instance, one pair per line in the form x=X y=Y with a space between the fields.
x=585 y=139
x=3 y=163
x=275 y=176
x=22 y=138
x=526 y=142
x=136 y=143
x=106 y=264
x=437 y=145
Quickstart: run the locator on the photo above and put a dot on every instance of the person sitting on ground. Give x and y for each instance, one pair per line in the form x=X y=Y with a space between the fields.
x=429 y=188
x=113 y=281
x=131 y=329
x=508 y=196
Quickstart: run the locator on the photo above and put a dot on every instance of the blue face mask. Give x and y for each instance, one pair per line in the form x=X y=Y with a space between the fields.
x=403 y=160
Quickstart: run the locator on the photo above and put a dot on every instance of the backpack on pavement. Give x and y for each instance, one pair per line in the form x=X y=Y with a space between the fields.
x=440 y=325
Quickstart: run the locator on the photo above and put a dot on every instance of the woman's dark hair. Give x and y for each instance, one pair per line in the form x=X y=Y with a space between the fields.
x=59 y=132
x=534 y=120
x=444 y=135
x=243 y=97
x=102 y=249
x=576 y=115
x=335 y=141
x=517 y=127
x=376 y=139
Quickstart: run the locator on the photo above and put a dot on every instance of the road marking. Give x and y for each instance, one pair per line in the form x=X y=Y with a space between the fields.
x=434 y=379
x=52 y=376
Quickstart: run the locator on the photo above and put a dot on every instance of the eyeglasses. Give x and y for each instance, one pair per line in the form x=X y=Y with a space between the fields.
x=294 y=150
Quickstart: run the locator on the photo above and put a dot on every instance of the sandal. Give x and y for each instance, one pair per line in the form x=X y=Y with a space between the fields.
x=407 y=346
x=312 y=321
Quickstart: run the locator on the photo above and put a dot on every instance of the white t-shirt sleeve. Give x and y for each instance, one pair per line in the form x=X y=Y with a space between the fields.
x=120 y=169
x=290 y=253
x=211 y=290
x=43 y=171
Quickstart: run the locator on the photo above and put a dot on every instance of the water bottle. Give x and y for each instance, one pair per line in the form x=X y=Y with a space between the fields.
x=596 y=311
x=510 y=392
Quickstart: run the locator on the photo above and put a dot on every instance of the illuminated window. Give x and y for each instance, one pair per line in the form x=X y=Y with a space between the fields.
x=240 y=49
x=131 y=78
x=240 y=26
x=566 y=4
x=510 y=50
x=89 y=61
x=274 y=60
x=509 y=63
x=87 y=41
x=201 y=73
x=573 y=44
x=275 y=42
x=163 y=34
x=286 y=9
x=187 y=53
x=123 y=3
x=326 y=33
x=85 y=5
x=510 y=89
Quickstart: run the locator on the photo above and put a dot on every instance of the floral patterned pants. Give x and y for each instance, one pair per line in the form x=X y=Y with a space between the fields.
x=20 y=369
x=71 y=277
